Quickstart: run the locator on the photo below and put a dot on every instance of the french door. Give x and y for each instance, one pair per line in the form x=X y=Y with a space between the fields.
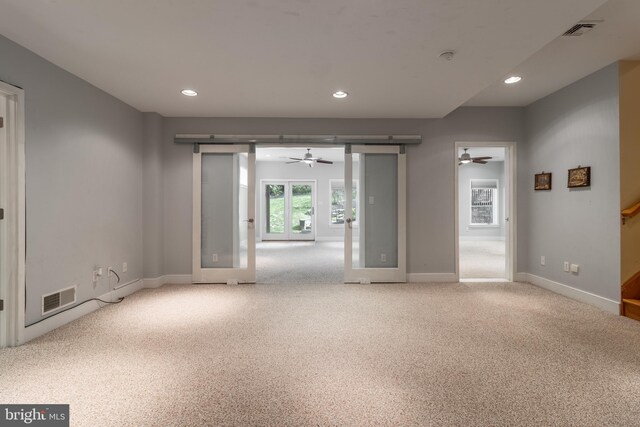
x=223 y=214
x=376 y=250
x=288 y=210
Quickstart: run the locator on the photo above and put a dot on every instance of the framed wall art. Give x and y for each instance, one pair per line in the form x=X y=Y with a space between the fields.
x=542 y=181
x=579 y=177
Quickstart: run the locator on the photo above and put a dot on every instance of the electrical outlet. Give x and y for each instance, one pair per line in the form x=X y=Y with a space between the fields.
x=575 y=268
x=383 y=257
x=125 y=267
x=566 y=266
x=96 y=276
x=543 y=260
x=109 y=271
x=214 y=258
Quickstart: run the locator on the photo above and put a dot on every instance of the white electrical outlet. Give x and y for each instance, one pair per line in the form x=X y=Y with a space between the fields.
x=383 y=257
x=109 y=270
x=371 y=200
x=575 y=268
x=543 y=260
x=96 y=276
x=214 y=258
x=125 y=267
x=566 y=266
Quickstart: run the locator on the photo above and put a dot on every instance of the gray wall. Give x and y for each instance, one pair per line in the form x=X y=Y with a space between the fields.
x=83 y=179
x=430 y=173
x=577 y=125
x=153 y=196
x=491 y=170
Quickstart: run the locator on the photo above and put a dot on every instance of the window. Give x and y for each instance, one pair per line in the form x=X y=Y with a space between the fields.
x=336 y=187
x=484 y=202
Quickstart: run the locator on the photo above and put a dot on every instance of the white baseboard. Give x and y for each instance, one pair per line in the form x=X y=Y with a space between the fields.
x=520 y=277
x=177 y=279
x=431 y=277
x=38 y=329
x=574 y=293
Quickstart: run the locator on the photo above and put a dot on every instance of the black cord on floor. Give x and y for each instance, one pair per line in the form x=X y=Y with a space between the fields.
x=78 y=305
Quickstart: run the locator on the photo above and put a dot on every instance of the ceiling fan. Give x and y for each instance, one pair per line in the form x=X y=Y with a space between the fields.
x=466 y=158
x=309 y=159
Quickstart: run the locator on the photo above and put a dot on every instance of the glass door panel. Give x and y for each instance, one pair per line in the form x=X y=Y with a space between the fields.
x=375 y=251
x=302 y=211
x=288 y=210
x=275 y=210
x=224 y=203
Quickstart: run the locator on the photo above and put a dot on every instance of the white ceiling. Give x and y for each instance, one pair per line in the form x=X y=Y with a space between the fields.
x=567 y=59
x=284 y=58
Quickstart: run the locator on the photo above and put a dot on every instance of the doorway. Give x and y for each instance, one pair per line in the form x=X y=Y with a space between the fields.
x=484 y=211
x=288 y=210
x=12 y=215
x=327 y=213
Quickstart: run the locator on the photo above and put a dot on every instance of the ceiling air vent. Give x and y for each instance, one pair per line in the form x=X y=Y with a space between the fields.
x=581 y=28
x=58 y=299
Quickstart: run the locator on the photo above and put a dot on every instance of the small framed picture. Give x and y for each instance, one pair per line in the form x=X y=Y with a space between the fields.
x=579 y=177
x=543 y=181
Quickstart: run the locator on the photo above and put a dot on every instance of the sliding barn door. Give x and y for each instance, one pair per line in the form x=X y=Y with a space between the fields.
x=224 y=239
x=375 y=215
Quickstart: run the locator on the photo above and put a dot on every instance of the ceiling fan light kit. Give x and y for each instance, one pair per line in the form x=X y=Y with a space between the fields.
x=309 y=159
x=466 y=158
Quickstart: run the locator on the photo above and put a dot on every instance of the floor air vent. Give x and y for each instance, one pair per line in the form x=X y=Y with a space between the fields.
x=581 y=28
x=58 y=299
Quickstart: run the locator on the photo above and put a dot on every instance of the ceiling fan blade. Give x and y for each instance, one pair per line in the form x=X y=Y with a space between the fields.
x=459 y=163
x=482 y=162
x=482 y=158
x=293 y=158
x=297 y=161
x=327 y=162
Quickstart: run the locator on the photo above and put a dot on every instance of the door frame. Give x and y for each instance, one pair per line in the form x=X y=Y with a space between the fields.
x=12 y=178
x=224 y=275
x=511 y=184
x=287 y=206
x=380 y=275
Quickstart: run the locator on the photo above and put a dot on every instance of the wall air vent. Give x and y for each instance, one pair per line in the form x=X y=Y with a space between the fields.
x=58 y=299
x=581 y=28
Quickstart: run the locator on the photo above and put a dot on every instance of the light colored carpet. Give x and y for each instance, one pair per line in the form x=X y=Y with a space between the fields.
x=482 y=259
x=300 y=262
x=478 y=354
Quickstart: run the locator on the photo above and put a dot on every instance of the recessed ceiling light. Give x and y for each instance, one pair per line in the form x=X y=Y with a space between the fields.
x=340 y=94
x=513 y=79
x=189 y=92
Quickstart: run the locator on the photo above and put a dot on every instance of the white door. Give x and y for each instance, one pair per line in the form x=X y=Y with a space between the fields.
x=4 y=279
x=288 y=210
x=224 y=249
x=377 y=253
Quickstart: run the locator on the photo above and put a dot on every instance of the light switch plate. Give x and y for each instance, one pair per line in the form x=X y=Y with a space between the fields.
x=575 y=268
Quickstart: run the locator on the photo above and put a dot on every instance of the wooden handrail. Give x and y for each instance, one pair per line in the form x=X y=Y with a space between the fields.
x=630 y=212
